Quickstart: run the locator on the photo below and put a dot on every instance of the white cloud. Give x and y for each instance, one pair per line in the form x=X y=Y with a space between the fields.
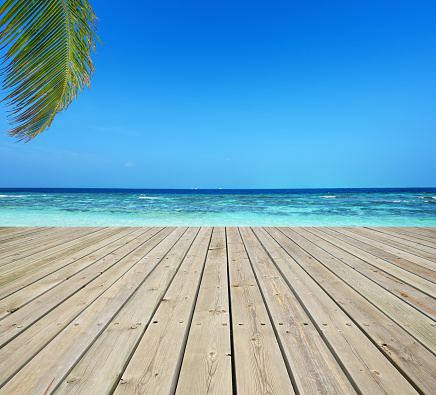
x=129 y=164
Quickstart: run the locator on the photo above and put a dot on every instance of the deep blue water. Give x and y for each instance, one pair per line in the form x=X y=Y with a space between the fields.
x=201 y=207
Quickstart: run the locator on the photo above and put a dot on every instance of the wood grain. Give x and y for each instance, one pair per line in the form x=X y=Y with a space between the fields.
x=183 y=311
x=206 y=366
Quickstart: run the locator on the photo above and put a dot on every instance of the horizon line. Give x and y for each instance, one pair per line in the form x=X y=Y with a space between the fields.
x=221 y=189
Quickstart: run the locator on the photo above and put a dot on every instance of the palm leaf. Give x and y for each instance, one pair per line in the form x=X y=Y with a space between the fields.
x=48 y=59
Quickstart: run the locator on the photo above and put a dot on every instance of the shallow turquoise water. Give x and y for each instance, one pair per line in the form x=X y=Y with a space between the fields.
x=334 y=207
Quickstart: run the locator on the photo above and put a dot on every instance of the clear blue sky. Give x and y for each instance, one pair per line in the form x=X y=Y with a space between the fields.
x=246 y=94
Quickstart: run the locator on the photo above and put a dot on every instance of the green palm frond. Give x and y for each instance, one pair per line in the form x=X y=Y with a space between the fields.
x=48 y=59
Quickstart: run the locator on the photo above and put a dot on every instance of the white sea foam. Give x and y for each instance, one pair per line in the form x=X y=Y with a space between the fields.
x=150 y=197
x=20 y=196
x=328 y=196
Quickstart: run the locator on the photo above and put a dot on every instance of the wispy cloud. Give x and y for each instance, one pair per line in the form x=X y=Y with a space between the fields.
x=129 y=164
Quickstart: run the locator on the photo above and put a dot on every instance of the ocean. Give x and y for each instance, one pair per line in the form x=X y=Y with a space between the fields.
x=195 y=207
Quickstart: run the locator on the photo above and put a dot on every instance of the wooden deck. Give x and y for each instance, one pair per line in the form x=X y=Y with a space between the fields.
x=217 y=310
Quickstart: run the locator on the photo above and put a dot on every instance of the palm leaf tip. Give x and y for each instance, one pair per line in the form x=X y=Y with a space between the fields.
x=47 y=61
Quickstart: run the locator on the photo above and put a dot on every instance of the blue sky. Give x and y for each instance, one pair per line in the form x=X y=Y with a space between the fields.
x=246 y=94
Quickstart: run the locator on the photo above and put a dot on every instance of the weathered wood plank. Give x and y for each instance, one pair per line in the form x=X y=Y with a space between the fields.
x=420 y=233
x=155 y=364
x=413 y=360
x=367 y=368
x=99 y=370
x=6 y=229
x=426 y=274
x=314 y=368
x=259 y=364
x=29 y=265
x=57 y=237
x=16 y=233
x=421 y=265
x=49 y=367
x=13 y=253
x=7 y=239
x=206 y=366
x=40 y=272
x=27 y=241
x=406 y=293
x=405 y=236
x=23 y=290
x=429 y=231
x=413 y=321
x=364 y=293
x=37 y=335
x=119 y=261
x=394 y=271
x=58 y=244
x=401 y=244
x=406 y=232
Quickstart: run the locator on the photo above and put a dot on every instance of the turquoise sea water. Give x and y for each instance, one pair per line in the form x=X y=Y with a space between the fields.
x=311 y=207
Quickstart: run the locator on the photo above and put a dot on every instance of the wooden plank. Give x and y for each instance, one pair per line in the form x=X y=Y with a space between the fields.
x=119 y=262
x=37 y=336
x=6 y=229
x=368 y=369
x=21 y=244
x=103 y=363
x=394 y=271
x=53 y=325
x=12 y=237
x=396 y=242
x=414 y=259
x=413 y=360
x=314 y=368
x=155 y=364
x=429 y=241
x=259 y=364
x=403 y=236
x=41 y=271
x=13 y=233
x=401 y=289
x=421 y=233
x=426 y=274
x=429 y=231
x=31 y=341
x=206 y=366
x=58 y=243
x=408 y=317
x=16 y=298
x=24 y=243
x=28 y=266
x=49 y=367
x=25 y=238
x=56 y=237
